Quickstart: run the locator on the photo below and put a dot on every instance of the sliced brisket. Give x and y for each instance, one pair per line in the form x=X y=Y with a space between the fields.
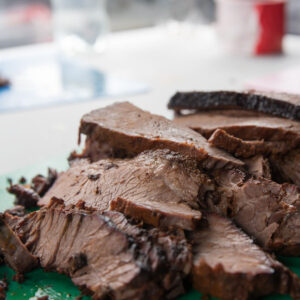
x=277 y=104
x=229 y=266
x=258 y=166
x=241 y=148
x=15 y=253
x=129 y=130
x=160 y=187
x=266 y=210
x=287 y=167
x=25 y=195
x=246 y=125
x=105 y=255
x=42 y=184
x=28 y=195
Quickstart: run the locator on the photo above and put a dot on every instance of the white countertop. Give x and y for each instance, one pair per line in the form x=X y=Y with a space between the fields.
x=166 y=61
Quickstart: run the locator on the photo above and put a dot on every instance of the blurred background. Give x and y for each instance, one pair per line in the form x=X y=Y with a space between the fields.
x=29 y=21
x=52 y=63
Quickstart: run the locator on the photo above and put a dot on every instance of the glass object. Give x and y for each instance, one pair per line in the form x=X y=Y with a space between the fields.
x=80 y=26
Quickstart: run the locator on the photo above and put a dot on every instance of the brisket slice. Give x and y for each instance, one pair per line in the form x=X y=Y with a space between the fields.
x=246 y=125
x=258 y=166
x=160 y=186
x=229 y=266
x=266 y=210
x=244 y=149
x=15 y=253
x=129 y=130
x=277 y=104
x=42 y=184
x=25 y=195
x=105 y=255
x=28 y=195
x=287 y=167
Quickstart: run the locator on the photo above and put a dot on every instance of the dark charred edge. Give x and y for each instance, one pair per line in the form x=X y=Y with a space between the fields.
x=218 y=283
x=42 y=184
x=135 y=246
x=16 y=255
x=228 y=100
x=25 y=196
x=156 y=217
x=29 y=195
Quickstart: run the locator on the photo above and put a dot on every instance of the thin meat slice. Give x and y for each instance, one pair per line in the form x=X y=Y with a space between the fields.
x=15 y=253
x=246 y=125
x=160 y=181
x=128 y=131
x=266 y=210
x=158 y=214
x=287 y=167
x=229 y=266
x=278 y=104
x=258 y=166
x=105 y=255
x=241 y=148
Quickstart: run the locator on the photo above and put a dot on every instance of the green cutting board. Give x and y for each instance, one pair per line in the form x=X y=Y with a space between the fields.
x=39 y=283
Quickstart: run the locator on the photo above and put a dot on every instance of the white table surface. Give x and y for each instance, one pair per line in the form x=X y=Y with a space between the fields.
x=165 y=60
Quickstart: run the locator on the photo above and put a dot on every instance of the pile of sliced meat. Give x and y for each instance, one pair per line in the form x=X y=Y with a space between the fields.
x=153 y=207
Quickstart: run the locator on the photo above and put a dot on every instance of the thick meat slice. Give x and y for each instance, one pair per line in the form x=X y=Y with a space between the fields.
x=258 y=166
x=246 y=125
x=15 y=253
x=158 y=181
x=105 y=255
x=287 y=167
x=277 y=104
x=129 y=130
x=266 y=210
x=229 y=266
x=241 y=148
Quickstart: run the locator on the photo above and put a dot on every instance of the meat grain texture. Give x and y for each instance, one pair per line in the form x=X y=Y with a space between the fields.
x=147 y=206
x=161 y=187
x=104 y=254
x=128 y=131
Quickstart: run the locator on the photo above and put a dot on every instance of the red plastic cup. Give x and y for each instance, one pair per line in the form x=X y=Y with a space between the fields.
x=251 y=26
